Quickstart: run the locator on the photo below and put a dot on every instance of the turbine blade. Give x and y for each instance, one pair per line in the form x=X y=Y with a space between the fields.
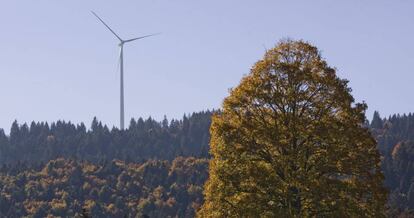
x=130 y=40
x=106 y=26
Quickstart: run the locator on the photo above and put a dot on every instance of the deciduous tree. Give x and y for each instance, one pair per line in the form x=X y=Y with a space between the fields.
x=291 y=142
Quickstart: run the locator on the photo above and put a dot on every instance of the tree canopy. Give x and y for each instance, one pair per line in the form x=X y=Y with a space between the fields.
x=394 y=138
x=144 y=139
x=69 y=188
x=291 y=142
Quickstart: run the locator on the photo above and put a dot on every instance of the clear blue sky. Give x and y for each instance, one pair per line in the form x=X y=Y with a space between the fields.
x=58 y=62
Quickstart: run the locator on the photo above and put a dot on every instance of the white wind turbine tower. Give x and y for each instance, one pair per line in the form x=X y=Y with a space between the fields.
x=121 y=60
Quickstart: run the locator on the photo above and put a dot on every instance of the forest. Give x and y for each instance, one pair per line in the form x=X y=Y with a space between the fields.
x=144 y=139
x=154 y=169
x=68 y=188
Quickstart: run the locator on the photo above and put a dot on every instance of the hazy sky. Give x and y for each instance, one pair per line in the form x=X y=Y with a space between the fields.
x=58 y=62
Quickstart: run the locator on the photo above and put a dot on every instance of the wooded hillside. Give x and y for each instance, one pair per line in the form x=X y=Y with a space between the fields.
x=155 y=168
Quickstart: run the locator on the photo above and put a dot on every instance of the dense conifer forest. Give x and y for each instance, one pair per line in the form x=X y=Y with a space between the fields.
x=152 y=168
x=395 y=136
x=144 y=139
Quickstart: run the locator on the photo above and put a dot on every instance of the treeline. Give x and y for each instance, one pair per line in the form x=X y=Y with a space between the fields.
x=144 y=139
x=395 y=136
x=25 y=153
x=68 y=188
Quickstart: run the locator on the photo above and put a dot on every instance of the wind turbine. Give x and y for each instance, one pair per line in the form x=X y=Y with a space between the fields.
x=121 y=63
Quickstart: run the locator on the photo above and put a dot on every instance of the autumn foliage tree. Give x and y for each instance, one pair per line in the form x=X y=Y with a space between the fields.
x=291 y=142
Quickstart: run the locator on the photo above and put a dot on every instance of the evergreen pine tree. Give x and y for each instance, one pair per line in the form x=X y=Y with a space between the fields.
x=376 y=122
